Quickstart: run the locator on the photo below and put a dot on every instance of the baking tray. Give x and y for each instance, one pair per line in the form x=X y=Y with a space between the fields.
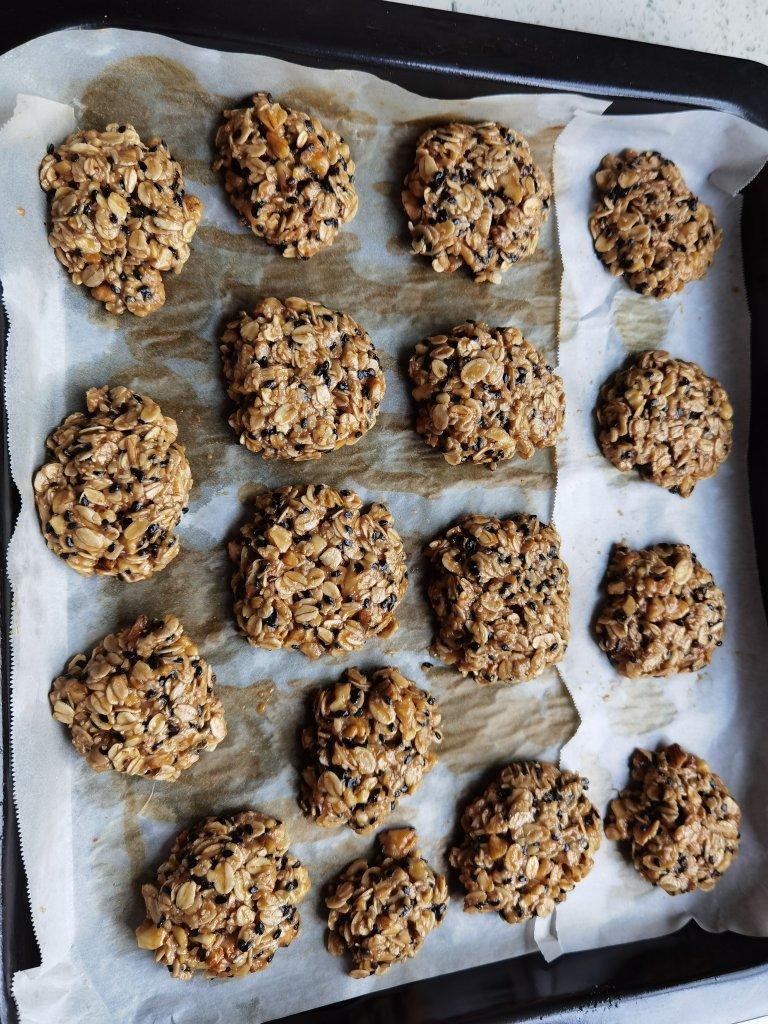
x=447 y=55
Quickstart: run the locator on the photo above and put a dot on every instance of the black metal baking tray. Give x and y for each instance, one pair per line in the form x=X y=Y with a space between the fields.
x=447 y=55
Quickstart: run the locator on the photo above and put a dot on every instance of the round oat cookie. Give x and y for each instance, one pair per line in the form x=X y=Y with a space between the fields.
x=142 y=702
x=484 y=394
x=316 y=572
x=371 y=741
x=475 y=196
x=527 y=841
x=380 y=912
x=306 y=379
x=665 y=418
x=501 y=598
x=648 y=226
x=680 y=821
x=115 y=488
x=226 y=899
x=289 y=177
x=120 y=215
x=662 y=613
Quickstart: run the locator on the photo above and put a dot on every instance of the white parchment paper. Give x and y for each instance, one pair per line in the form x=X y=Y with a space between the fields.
x=88 y=840
x=719 y=713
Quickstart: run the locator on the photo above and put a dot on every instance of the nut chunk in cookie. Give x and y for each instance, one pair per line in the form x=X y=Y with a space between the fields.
x=475 y=197
x=115 y=488
x=484 y=394
x=680 y=821
x=501 y=597
x=316 y=572
x=120 y=215
x=648 y=226
x=380 y=912
x=662 y=612
x=289 y=177
x=528 y=840
x=142 y=702
x=306 y=379
x=372 y=741
x=226 y=899
x=666 y=419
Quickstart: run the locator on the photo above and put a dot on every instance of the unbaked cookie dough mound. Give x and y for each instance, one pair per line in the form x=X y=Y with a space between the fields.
x=288 y=176
x=662 y=613
x=306 y=379
x=142 y=702
x=226 y=899
x=666 y=419
x=475 y=197
x=380 y=912
x=484 y=394
x=648 y=226
x=501 y=598
x=680 y=821
x=316 y=572
x=120 y=215
x=372 y=741
x=528 y=840
x=116 y=487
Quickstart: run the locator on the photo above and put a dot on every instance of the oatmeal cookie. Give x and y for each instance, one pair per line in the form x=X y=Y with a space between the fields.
x=500 y=594
x=371 y=742
x=289 y=177
x=648 y=226
x=484 y=395
x=662 y=613
x=475 y=196
x=115 y=488
x=681 y=822
x=528 y=840
x=382 y=911
x=120 y=215
x=316 y=572
x=226 y=899
x=665 y=418
x=142 y=702
x=306 y=379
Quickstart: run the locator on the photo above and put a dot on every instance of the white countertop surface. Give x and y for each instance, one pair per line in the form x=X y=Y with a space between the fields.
x=738 y=28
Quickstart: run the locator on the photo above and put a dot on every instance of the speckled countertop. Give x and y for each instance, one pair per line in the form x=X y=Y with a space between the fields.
x=735 y=27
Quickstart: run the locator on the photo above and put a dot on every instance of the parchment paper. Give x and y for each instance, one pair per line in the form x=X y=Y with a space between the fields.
x=719 y=713
x=90 y=840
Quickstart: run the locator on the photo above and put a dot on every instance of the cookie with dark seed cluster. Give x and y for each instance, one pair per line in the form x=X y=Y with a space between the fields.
x=289 y=176
x=484 y=395
x=662 y=612
x=501 y=598
x=316 y=572
x=371 y=742
x=475 y=197
x=667 y=419
x=142 y=702
x=680 y=821
x=115 y=488
x=380 y=912
x=226 y=899
x=120 y=215
x=306 y=379
x=648 y=226
x=527 y=841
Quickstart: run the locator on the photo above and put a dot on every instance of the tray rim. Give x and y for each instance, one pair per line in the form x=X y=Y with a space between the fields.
x=529 y=46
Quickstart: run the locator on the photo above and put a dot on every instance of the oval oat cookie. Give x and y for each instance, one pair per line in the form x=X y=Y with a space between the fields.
x=484 y=395
x=475 y=197
x=289 y=177
x=306 y=379
x=116 y=487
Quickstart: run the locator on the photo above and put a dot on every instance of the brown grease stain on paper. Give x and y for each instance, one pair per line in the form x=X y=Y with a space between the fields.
x=641 y=323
